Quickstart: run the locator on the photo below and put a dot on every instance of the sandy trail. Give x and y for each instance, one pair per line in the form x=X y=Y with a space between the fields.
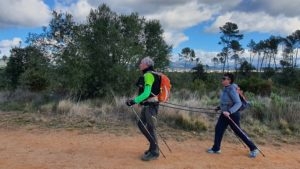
x=63 y=149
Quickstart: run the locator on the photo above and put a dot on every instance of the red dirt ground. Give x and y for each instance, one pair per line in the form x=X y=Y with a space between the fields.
x=64 y=149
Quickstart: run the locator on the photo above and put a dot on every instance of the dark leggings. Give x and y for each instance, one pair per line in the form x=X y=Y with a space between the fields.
x=148 y=118
x=221 y=126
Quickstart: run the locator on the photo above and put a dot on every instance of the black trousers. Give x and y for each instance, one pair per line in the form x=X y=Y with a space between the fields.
x=221 y=126
x=149 y=119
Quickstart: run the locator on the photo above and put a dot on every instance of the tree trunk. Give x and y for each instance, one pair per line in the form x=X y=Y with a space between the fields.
x=270 y=58
x=295 y=63
x=224 y=66
x=262 y=61
x=257 y=67
x=274 y=55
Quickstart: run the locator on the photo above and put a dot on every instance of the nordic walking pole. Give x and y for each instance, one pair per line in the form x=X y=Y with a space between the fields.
x=147 y=130
x=243 y=133
x=165 y=142
x=238 y=138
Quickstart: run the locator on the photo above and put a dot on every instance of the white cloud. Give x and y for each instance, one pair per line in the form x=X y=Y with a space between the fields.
x=174 y=15
x=184 y=16
x=6 y=45
x=206 y=57
x=79 y=10
x=267 y=16
x=23 y=13
x=176 y=19
x=258 y=22
x=175 y=38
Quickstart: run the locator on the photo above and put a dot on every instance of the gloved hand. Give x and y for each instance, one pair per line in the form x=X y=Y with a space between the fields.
x=130 y=102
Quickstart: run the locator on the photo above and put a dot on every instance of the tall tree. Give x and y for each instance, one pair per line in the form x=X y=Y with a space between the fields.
x=156 y=47
x=112 y=44
x=56 y=37
x=199 y=72
x=15 y=67
x=237 y=49
x=296 y=37
x=261 y=50
x=27 y=67
x=60 y=43
x=269 y=48
x=246 y=68
x=215 y=60
x=100 y=45
x=99 y=56
x=252 y=50
x=230 y=41
x=133 y=38
x=273 y=43
x=291 y=47
x=187 y=54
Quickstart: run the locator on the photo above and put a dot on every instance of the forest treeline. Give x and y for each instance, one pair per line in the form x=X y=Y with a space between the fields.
x=99 y=58
x=86 y=59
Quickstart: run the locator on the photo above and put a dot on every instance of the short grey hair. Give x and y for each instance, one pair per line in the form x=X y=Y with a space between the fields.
x=148 y=61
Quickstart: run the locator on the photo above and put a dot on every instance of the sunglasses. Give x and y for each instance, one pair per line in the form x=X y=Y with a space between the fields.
x=225 y=78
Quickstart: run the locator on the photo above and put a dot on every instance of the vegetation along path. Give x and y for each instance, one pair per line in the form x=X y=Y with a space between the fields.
x=75 y=149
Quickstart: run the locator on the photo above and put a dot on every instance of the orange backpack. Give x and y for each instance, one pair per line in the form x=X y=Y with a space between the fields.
x=165 y=88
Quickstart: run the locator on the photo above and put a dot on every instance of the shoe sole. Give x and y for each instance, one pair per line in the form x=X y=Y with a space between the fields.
x=214 y=152
x=149 y=159
x=152 y=157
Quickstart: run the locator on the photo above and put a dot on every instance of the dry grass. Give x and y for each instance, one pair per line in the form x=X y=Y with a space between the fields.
x=268 y=115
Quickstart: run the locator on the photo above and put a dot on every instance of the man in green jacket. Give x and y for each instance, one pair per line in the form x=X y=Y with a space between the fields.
x=148 y=90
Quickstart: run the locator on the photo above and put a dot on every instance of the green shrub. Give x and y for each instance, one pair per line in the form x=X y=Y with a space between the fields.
x=257 y=86
x=180 y=80
x=12 y=106
x=34 y=80
x=268 y=72
x=258 y=109
x=199 y=86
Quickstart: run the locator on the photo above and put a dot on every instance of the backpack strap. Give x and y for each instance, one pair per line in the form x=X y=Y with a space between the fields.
x=156 y=84
x=153 y=97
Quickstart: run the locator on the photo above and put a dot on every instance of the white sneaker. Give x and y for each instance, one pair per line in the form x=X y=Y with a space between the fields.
x=253 y=153
x=211 y=151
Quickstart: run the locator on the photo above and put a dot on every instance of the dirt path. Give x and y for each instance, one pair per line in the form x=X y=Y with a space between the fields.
x=63 y=149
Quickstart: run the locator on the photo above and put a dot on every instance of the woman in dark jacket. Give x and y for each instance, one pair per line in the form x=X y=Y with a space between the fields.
x=229 y=106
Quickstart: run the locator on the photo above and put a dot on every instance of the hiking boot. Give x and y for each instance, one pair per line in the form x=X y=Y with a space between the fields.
x=156 y=150
x=146 y=152
x=253 y=153
x=211 y=151
x=150 y=156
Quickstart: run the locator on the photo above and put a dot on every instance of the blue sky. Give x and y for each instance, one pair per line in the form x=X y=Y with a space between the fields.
x=193 y=24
